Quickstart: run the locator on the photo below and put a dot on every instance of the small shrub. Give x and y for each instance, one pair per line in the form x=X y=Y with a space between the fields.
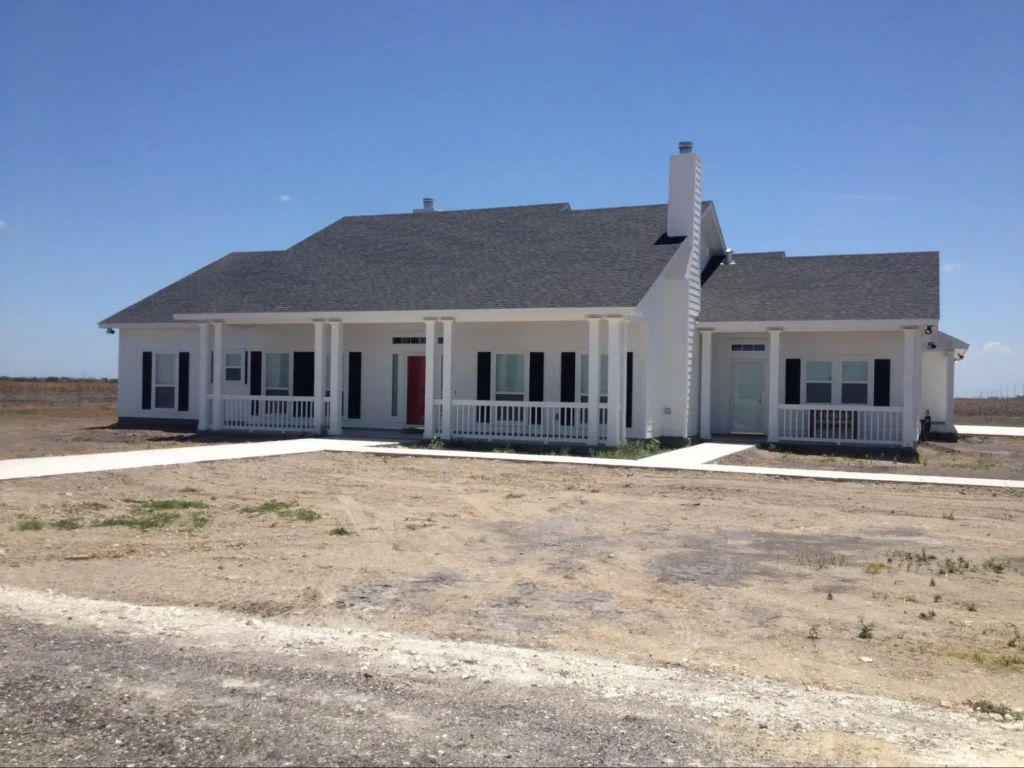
x=820 y=560
x=31 y=524
x=947 y=515
x=931 y=582
x=926 y=615
x=995 y=565
x=829 y=595
x=867 y=631
x=436 y=444
x=937 y=599
x=514 y=495
x=872 y=568
x=340 y=531
x=283 y=509
x=972 y=607
x=989 y=707
x=190 y=489
x=814 y=633
x=305 y=515
x=503 y=449
x=1012 y=660
x=67 y=524
x=199 y=521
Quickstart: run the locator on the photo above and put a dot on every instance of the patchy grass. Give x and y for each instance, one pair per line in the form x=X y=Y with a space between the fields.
x=514 y=495
x=926 y=615
x=88 y=506
x=190 y=489
x=287 y=510
x=163 y=505
x=640 y=449
x=340 y=531
x=874 y=568
x=199 y=521
x=67 y=524
x=140 y=520
x=29 y=524
x=820 y=560
x=414 y=525
x=503 y=449
x=437 y=444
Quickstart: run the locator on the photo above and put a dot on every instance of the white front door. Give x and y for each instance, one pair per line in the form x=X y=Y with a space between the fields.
x=747 y=397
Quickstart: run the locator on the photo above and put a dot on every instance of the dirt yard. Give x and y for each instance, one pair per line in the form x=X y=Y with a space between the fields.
x=990 y=412
x=915 y=592
x=989 y=457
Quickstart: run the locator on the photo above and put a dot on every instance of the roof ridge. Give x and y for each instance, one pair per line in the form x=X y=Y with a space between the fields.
x=439 y=211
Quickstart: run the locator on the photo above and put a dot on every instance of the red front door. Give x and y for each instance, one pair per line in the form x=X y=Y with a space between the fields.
x=415 y=390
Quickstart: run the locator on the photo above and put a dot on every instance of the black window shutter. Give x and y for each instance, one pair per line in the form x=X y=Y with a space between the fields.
x=355 y=384
x=147 y=380
x=255 y=374
x=536 y=376
x=792 y=381
x=568 y=388
x=246 y=378
x=629 y=390
x=483 y=384
x=183 y=381
x=883 y=369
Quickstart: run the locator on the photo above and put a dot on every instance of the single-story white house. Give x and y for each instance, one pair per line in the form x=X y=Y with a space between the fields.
x=543 y=323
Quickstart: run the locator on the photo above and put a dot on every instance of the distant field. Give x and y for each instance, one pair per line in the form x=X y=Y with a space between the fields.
x=991 y=412
x=38 y=394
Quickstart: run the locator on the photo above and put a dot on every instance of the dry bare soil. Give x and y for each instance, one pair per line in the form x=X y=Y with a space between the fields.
x=991 y=412
x=986 y=457
x=791 y=579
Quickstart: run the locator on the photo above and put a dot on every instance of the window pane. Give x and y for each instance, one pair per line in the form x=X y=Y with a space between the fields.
x=164 y=397
x=585 y=376
x=855 y=371
x=509 y=371
x=277 y=371
x=604 y=374
x=855 y=394
x=233 y=374
x=819 y=371
x=233 y=360
x=164 y=369
x=819 y=393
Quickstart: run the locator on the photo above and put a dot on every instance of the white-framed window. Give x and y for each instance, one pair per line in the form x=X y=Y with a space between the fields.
x=818 y=385
x=585 y=378
x=278 y=374
x=747 y=347
x=854 y=382
x=165 y=380
x=509 y=376
x=233 y=362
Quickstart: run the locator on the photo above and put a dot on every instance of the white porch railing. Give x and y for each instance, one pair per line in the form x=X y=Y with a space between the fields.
x=520 y=421
x=266 y=412
x=841 y=424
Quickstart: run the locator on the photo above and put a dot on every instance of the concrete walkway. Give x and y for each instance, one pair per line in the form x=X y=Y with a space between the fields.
x=985 y=431
x=694 y=455
x=13 y=469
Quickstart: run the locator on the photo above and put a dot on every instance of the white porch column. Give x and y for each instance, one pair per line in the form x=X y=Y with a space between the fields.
x=706 y=345
x=318 y=374
x=218 y=375
x=448 y=351
x=593 y=379
x=428 y=385
x=911 y=359
x=615 y=327
x=336 y=365
x=774 y=351
x=625 y=355
x=950 y=362
x=204 y=376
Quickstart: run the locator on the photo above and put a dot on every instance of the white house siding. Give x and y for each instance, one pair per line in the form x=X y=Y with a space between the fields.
x=375 y=342
x=835 y=346
x=131 y=344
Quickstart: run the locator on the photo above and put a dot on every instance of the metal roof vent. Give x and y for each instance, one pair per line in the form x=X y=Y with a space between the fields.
x=685 y=147
x=728 y=256
x=428 y=206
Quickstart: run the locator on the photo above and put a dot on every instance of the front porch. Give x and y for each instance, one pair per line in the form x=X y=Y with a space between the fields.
x=526 y=381
x=836 y=384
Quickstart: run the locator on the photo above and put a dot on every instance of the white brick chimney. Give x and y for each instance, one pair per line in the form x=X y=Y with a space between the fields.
x=684 y=192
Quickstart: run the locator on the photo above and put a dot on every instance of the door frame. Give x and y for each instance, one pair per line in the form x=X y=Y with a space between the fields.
x=760 y=362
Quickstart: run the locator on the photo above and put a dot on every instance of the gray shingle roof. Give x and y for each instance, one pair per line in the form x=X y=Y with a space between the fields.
x=538 y=256
x=774 y=287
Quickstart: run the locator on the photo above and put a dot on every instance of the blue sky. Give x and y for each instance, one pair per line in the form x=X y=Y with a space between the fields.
x=140 y=141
